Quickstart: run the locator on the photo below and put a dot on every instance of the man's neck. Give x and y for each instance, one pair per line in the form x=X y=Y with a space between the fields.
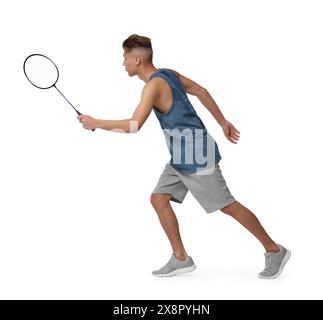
x=146 y=72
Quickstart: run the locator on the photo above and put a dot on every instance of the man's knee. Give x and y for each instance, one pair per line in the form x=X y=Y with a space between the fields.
x=229 y=209
x=158 y=200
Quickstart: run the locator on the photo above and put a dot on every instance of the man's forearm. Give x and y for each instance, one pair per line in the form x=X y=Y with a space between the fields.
x=211 y=105
x=126 y=125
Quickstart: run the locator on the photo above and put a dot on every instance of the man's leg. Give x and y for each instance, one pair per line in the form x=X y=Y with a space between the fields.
x=251 y=223
x=168 y=220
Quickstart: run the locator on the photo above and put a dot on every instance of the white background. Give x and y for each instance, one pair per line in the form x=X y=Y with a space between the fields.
x=76 y=221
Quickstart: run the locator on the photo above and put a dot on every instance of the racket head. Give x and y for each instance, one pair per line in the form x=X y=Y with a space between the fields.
x=40 y=71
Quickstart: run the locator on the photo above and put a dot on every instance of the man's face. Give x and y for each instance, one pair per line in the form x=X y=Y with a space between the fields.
x=130 y=62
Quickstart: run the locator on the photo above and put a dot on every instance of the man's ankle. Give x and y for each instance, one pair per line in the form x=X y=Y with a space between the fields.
x=181 y=256
x=272 y=248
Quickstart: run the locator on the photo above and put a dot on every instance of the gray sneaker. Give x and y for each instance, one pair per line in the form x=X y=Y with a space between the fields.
x=174 y=267
x=275 y=263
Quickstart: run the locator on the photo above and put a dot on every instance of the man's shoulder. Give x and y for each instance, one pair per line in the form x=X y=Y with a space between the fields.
x=174 y=71
x=163 y=74
x=157 y=79
x=154 y=85
x=169 y=70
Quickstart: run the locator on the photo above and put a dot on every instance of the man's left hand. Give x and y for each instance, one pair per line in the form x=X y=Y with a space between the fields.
x=231 y=133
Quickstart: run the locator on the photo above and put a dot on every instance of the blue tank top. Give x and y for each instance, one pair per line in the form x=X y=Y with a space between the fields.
x=191 y=147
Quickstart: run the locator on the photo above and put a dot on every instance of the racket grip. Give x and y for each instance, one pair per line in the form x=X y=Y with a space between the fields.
x=80 y=114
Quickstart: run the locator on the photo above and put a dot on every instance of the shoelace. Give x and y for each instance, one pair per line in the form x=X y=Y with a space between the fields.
x=268 y=264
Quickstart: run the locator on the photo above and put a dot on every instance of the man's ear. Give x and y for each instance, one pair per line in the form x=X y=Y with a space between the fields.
x=138 y=61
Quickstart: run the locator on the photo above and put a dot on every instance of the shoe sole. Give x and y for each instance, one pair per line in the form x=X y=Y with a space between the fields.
x=286 y=258
x=177 y=272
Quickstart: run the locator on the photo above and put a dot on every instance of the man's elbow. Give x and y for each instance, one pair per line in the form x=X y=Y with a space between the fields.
x=197 y=90
x=201 y=91
x=134 y=126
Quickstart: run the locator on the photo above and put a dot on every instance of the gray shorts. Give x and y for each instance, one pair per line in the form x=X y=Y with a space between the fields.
x=208 y=187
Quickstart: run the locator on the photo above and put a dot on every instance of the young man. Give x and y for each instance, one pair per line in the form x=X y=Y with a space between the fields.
x=194 y=164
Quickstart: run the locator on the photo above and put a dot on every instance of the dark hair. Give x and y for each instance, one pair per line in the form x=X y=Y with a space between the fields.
x=136 y=41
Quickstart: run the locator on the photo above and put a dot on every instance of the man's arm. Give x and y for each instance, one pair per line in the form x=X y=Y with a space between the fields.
x=203 y=95
x=132 y=125
x=193 y=88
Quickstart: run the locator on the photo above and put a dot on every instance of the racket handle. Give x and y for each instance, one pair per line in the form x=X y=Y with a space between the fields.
x=80 y=114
